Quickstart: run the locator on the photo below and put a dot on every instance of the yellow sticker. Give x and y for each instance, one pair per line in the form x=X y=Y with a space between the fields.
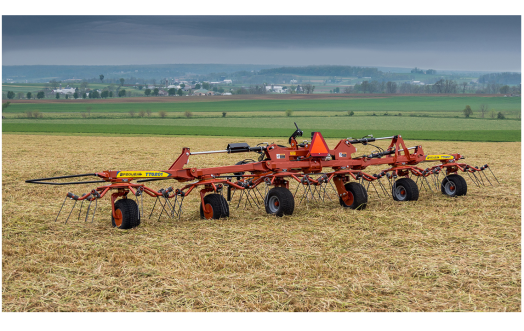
x=438 y=157
x=141 y=174
x=292 y=153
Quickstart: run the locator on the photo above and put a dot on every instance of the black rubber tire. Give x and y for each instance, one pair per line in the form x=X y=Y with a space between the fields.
x=360 y=196
x=461 y=187
x=285 y=199
x=130 y=214
x=410 y=189
x=219 y=205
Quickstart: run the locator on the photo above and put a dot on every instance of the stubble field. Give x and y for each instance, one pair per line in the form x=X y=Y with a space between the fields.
x=435 y=254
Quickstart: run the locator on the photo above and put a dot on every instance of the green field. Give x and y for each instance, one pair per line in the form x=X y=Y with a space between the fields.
x=423 y=118
x=448 y=105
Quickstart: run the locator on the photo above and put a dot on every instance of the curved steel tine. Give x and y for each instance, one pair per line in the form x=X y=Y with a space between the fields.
x=482 y=173
x=70 y=212
x=88 y=208
x=493 y=175
x=153 y=209
x=81 y=205
x=56 y=219
x=94 y=212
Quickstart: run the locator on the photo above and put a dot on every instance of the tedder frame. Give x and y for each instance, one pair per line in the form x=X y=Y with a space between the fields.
x=277 y=165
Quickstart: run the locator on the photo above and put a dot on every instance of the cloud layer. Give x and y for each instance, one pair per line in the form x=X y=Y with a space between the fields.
x=440 y=42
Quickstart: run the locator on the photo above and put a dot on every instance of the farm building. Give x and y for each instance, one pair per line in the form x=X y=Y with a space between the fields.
x=64 y=90
x=203 y=92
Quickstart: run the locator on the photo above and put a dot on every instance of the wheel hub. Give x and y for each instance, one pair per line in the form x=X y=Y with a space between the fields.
x=273 y=204
x=400 y=192
x=450 y=188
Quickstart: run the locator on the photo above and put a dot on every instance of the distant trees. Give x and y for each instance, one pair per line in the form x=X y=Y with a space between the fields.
x=308 y=88
x=500 y=116
x=94 y=94
x=147 y=92
x=504 y=89
x=351 y=113
x=41 y=95
x=464 y=84
x=197 y=87
x=122 y=81
x=348 y=89
x=101 y=78
x=483 y=109
x=162 y=114
x=171 y=91
x=205 y=86
x=29 y=95
x=122 y=93
x=467 y=111
x=289 y=112
x=391 y=87
x=10 y=94
x=84 y=96
x=182 y=85
x=506 y=78
x=180 y=92
x=156 y=91
x=110 y=94
x=57 y=95
x=188 y=114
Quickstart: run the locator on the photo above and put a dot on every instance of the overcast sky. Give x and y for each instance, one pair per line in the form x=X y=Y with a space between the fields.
x=490 y=43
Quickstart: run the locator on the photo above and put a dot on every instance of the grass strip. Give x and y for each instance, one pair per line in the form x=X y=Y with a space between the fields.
x=467 y=135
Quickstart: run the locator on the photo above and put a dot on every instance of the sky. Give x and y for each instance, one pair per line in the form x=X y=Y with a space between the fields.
x=475 y=43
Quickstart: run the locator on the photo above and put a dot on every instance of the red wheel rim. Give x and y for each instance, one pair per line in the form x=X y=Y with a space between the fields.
x=348 y=198
x=118 y=218
x=277 y=203
x=208 y=211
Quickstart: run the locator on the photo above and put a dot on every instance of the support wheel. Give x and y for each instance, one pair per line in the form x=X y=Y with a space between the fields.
x=454 y=185
x=280 y=201
x=127 y=214
x=405 y=189
x=216 y=206
x=357 y=197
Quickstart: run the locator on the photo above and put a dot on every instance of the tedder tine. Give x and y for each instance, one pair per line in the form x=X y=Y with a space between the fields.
x=473 y=180
x=482 y=173
x=153 y=209
x=492 y=174
x=88 y=208
x=427 y=183
x=386 y=193
x=70 y=212
x=81 y=205
x=481 y=181
x=63 y=203
x=94 y=212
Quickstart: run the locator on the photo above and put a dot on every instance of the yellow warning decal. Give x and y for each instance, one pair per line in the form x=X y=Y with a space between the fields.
x=438 y=157
x=292 y=153
x=141 y=174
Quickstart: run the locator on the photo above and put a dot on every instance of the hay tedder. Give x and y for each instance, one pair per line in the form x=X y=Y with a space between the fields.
x=312 y=165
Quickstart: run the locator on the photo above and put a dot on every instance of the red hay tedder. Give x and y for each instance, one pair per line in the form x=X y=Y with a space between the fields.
x=277 y=165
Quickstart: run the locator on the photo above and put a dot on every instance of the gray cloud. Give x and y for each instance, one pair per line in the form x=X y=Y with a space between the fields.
x=441 y=42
